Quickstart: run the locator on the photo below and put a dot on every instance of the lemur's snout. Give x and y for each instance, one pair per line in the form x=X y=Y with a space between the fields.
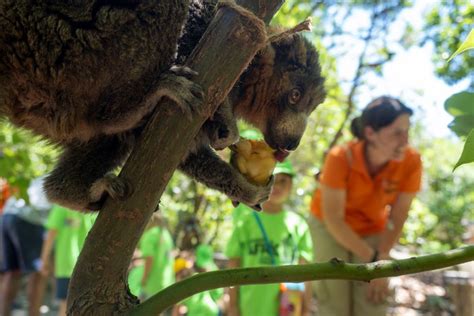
x=291 y=144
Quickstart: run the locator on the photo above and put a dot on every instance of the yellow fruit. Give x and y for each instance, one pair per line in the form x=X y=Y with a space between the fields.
x=254 y=159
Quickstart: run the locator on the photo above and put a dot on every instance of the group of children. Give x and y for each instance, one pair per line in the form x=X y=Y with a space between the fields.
x=358 y=211
x=66 y=233
x=274 y=236
x=31 y=232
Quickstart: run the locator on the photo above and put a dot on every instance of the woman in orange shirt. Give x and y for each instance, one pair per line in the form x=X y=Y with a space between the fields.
x=367 y=187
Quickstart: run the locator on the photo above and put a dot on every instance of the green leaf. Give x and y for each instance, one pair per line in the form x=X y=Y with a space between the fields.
x=467 y=154
x=462 y=124
x=467 y=44
x=460 y=104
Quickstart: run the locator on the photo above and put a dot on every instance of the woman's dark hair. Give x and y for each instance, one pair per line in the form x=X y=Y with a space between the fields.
x=379 y=113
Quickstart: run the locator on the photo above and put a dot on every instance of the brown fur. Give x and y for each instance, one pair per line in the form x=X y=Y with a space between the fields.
x=74 y=73
x=262 y=97
x=85 y=74
x=263 y=94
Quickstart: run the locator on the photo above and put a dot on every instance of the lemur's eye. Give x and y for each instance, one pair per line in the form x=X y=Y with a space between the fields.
x=295 y=96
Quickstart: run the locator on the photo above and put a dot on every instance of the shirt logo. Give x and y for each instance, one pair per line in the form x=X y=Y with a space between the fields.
x=284 y=251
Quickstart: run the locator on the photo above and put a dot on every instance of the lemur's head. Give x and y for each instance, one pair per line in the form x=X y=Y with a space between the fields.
x=280 y=89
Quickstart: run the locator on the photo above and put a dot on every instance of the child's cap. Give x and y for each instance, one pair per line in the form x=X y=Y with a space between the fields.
x=205 y=256
x=251 y=134
x=285 y=167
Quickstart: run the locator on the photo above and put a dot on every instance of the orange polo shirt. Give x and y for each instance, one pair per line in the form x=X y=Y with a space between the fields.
x=368 y=199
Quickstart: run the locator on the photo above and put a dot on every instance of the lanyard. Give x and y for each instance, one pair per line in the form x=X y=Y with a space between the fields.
x=268 y=246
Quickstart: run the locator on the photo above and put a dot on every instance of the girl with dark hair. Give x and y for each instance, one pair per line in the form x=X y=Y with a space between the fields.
x=367 y=187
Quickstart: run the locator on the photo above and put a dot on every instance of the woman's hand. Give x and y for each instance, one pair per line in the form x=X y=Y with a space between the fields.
x=377 y=291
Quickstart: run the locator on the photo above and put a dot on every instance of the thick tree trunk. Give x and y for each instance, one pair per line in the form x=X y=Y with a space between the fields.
x=99 y=282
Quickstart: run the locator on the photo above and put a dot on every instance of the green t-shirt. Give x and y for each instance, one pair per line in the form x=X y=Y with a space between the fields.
x=240 y=212
x=204 y=303
x=290 y=240
x=157 y=243
x=72 y=228
x=134 y=280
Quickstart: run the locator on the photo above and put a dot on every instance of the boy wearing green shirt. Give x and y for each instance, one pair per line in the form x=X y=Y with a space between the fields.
x=67 y=231
x=286 y=237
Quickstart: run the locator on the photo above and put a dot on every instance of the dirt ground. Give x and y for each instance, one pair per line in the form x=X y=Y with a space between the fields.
x=441 y=292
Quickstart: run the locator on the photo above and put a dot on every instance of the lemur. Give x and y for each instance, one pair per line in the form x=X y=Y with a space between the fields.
x=87 y=74
x=278 y=91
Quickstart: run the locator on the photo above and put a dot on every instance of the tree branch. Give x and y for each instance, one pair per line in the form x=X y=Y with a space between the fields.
x=99 y=282
x=334 y=269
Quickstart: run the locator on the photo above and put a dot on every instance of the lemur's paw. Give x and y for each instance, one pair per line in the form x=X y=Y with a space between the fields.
x=178 y=86
x=221 y=128
x=223 y=137
x=110 y=185
x=255 y=195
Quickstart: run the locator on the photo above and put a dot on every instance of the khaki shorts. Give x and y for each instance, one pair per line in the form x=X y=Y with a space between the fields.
x=340 y=297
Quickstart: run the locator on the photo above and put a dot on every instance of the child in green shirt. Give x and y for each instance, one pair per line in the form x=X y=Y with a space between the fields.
x=288 y=237
x=156 y=272
x=204 y=303
x=67 y=231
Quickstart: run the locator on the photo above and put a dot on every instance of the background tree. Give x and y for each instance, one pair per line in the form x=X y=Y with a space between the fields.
x=23 y=157
x=448 y=24
x=451 y=30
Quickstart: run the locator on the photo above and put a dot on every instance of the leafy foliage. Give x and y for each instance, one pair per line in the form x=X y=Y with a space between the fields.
x=23 y=156
x=447 y=26
x=466 y=45
x=445 y=206
x=467 y=155
x=461 y=106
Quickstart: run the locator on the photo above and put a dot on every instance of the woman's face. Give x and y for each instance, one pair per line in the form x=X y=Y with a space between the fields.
x=391 y=141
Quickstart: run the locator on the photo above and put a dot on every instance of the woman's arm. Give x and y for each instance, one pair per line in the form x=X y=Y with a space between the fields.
x=333 y=209
x=398 y=216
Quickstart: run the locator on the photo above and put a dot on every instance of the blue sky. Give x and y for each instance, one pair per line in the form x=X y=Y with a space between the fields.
x=411 y=77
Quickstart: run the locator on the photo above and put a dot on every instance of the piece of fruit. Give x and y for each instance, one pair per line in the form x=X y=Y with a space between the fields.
x=254 y=159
